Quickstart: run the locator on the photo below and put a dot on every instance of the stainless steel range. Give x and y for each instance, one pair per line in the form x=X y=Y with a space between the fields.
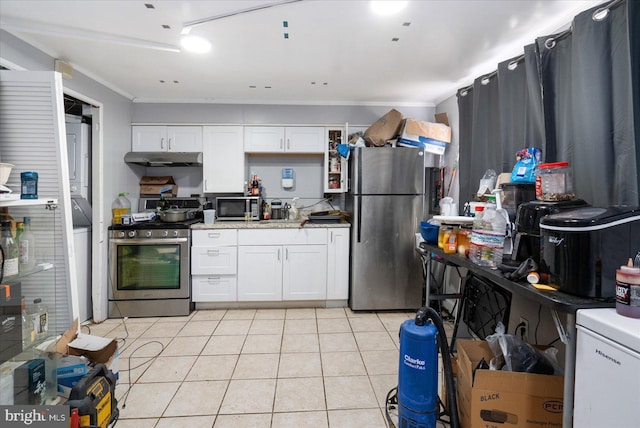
x=149 y=264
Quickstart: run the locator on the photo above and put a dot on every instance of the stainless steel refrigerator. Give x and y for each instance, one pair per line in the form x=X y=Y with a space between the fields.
x=386 y=201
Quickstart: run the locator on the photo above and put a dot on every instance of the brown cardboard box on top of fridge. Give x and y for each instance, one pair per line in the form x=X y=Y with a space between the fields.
x=383 y=129
x=488 y=398
x=433 y=137
x=154 y=186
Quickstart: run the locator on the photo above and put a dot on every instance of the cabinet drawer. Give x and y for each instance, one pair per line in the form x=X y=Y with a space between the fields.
x=214 y=237
x=298 y=236
x=214 y=288
x=214 y=260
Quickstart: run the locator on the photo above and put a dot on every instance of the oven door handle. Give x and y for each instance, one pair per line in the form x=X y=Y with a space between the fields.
x=162 y=241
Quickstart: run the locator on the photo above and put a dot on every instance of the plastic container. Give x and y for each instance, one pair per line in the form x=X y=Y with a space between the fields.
x=29 y=187
x=450 y=240
x=487 y=238
x=120 y=206
x=464 y=241
x=554 y=182
x=429 y=232
x=628 y=290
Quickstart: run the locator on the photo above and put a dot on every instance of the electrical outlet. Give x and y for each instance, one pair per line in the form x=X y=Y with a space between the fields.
x=523 y=329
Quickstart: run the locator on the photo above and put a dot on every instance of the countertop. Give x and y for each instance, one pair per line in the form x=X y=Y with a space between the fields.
x=267 y=224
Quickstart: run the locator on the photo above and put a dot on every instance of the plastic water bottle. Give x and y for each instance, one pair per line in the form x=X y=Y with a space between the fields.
x=487 y=239
x=475 y=242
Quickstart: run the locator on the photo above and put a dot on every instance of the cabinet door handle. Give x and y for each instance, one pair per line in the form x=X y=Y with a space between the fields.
x=169 y=146
x=281 y=143
x=288 y=143
x=286 y=254
x=213 y=234
x=162 y=143
x=278 y=254
x=331 y=234
x=213 y=253
x=213 y=280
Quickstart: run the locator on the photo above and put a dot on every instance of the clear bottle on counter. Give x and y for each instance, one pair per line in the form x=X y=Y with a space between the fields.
x=487 y=238
x=27 y=248
x=11 y=251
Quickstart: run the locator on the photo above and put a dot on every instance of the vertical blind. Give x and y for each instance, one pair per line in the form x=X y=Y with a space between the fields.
x=573 y=94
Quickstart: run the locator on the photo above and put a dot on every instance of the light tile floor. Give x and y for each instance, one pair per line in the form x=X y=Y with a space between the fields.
x=256 y=368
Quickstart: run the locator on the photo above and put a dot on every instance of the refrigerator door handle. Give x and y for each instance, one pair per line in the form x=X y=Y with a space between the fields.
x=358 y=217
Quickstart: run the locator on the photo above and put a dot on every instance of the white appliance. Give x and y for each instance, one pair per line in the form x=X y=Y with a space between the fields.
x=607 y=376
x=78 y=152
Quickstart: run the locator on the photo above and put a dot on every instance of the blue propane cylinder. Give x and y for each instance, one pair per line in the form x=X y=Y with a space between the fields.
x=418 y=374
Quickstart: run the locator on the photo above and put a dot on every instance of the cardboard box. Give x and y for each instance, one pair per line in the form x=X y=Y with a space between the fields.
x=433 y=137
x=488 y=398
x=383 y=129
x=97 y=349
x=154 y=186
x=70 y=369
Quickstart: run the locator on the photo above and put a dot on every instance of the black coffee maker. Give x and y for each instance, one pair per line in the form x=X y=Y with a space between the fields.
x=527 y=230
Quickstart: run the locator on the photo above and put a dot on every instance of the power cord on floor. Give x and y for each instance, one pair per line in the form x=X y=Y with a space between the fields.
x=520 y=330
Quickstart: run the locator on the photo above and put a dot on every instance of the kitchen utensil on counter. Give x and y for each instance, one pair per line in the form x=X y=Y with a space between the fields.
x=173 y=214
x=277 y=210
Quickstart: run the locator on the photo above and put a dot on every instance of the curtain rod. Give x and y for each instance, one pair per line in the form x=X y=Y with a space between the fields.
x=599 y=14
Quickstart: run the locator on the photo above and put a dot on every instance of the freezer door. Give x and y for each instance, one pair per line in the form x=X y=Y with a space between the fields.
x=606 y=382
x=387 y=170
x=386 y=270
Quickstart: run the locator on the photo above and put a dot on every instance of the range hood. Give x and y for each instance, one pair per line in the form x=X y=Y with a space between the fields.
x=164 y=158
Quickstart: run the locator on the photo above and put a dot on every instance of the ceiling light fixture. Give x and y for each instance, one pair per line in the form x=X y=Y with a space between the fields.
x=195 y=44
x=388 y=7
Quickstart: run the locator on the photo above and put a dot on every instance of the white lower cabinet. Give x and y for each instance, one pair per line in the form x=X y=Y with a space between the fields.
x=294 y=269
x=214 y=265
x=338 y=264
x=263 y=265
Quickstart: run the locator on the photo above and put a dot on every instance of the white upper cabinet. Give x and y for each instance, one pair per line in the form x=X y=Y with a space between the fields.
x=161 y=138
x=222 y=159
x=278 y=139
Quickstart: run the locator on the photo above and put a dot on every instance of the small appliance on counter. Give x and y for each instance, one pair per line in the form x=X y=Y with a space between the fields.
x=527 y=228
x=514 y=194
x=581 y=249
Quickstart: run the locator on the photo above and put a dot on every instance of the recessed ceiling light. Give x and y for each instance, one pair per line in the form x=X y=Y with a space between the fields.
x=196 y=44
x=387 y=7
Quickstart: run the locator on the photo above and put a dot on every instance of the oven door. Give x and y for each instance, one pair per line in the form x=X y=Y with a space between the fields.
x=149 y=269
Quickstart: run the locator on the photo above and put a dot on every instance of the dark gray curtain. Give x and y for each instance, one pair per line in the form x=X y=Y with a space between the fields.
x=521 y=117
x=575 y=95
x=499 y=115
x=465 y=112
x=589 y=106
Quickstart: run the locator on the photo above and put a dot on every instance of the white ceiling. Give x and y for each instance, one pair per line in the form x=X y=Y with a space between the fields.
x=341 y=45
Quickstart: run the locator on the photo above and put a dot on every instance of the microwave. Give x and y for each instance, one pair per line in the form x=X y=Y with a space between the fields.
x=238 y=207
